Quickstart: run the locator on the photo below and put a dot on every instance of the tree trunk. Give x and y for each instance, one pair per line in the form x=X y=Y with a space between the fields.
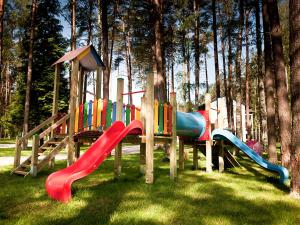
x=127 y=44
x=294 y=22
x=73 y=25
x=184 y=75
x=281 y=84
x=2 y=2
x=159 y=79
x=269 y=87
x=206 y=72
x=231 y=124
x=188 y=75
x=247 y=92
x=224 y=68
x=217 y=75
x=262 y=103
x=172 y=77
x=29 y=71
x=106 y=75
x=239 y=94
x=197 y=50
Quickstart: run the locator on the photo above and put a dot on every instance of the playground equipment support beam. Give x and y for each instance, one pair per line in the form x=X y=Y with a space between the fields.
x=143 y=144
x=173 y=161
x=56 y=89
x=149 y=127
x=118 y=149
x=221 y=143
x=181 y=154
x=195 y=157
x=34 y=155
x=72 y=107
x=98 y=82
x=208 y=142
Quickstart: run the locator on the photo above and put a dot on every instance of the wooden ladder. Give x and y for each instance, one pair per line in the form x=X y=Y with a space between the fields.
x=45 y=154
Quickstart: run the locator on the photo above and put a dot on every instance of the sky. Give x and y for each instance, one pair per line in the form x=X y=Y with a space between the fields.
x=122 y=71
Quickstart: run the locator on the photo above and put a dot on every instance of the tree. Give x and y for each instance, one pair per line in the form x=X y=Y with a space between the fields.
x=281 y=84
x=269 y=86
x=73 y=24
x=238 y=66
x=216 y=58
x=262 y=103
x=159 y=75
x=1 y=32
x=294 y=20
x=29 y=70
x=104 y=34
x=247 y=90
x=197 y=49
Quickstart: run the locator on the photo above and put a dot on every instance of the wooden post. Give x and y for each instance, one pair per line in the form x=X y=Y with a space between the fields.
x=173 y=161
x=98 y=82
x=56 y=89
x=118 y=149
x=80 y=87
x=195 y=157
x=209 y=142
x=72 y=107
x=34 y=155
x=17 y=153
x=77 y=150
x=221 y=143
x=149 y=127
x=181 y=154
x=143 y=144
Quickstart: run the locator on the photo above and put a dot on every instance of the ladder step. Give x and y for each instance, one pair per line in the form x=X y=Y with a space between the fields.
x=53 y=142
x=20 y=172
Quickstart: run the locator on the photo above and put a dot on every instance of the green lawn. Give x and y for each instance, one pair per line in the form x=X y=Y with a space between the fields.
x=7 y=141
x=239 y=196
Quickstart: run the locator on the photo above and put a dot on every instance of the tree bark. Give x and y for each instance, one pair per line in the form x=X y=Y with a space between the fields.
x=106 y=75
x=281 y=85
x=159 y=79
x=29 y=71
x=262 y=103
x=294 y=21
x=127 y=44
x=197 y=50
x=247 y=92
x=73 y=25
x=269 y=87
x=2 y=2
x=217 y=75
x=231 y=124
x=239 y=94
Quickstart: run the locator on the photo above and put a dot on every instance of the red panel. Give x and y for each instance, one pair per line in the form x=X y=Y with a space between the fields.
x=81 y=117
x=132 y=112
x=206 y=135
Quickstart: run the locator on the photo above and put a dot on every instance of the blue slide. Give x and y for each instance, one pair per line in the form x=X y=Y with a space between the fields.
x=220 y=134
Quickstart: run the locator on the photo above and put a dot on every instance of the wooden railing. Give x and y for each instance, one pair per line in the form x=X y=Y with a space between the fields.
x=41 y=126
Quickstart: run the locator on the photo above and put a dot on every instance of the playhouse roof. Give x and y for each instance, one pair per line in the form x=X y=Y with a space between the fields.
x=87 y=56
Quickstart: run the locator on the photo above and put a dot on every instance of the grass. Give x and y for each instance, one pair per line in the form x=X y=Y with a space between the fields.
x=240 y=196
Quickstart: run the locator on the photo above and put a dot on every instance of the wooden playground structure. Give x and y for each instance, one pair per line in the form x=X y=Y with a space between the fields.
x=86 y=121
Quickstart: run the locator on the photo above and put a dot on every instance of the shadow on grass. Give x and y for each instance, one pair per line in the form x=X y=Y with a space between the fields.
x=196 y=198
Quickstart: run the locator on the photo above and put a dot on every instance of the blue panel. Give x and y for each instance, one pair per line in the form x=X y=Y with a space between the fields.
x=190 y=124
x=90 y=114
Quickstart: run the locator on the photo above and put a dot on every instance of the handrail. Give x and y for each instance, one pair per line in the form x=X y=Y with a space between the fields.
x=54 y=126
x=37 y=128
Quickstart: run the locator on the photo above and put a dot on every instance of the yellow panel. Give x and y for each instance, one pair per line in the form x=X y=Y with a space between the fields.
x=137 y=114
x=94 y=121
x=99 y=110
x=76 y=119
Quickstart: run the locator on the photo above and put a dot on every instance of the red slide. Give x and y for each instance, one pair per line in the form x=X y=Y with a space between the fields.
x=58 y=184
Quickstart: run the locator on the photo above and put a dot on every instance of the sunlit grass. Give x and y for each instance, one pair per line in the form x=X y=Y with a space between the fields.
x=246 y=195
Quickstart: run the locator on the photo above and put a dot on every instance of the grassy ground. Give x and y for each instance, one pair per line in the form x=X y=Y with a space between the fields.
x=7 y=141
x=239 y=196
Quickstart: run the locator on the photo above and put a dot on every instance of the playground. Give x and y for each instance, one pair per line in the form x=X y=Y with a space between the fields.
x=149 y=112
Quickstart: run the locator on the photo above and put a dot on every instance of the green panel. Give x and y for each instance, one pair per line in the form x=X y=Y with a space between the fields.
x=108 y=113
x=127 y=115
x=160 y=118
x=85 y=111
